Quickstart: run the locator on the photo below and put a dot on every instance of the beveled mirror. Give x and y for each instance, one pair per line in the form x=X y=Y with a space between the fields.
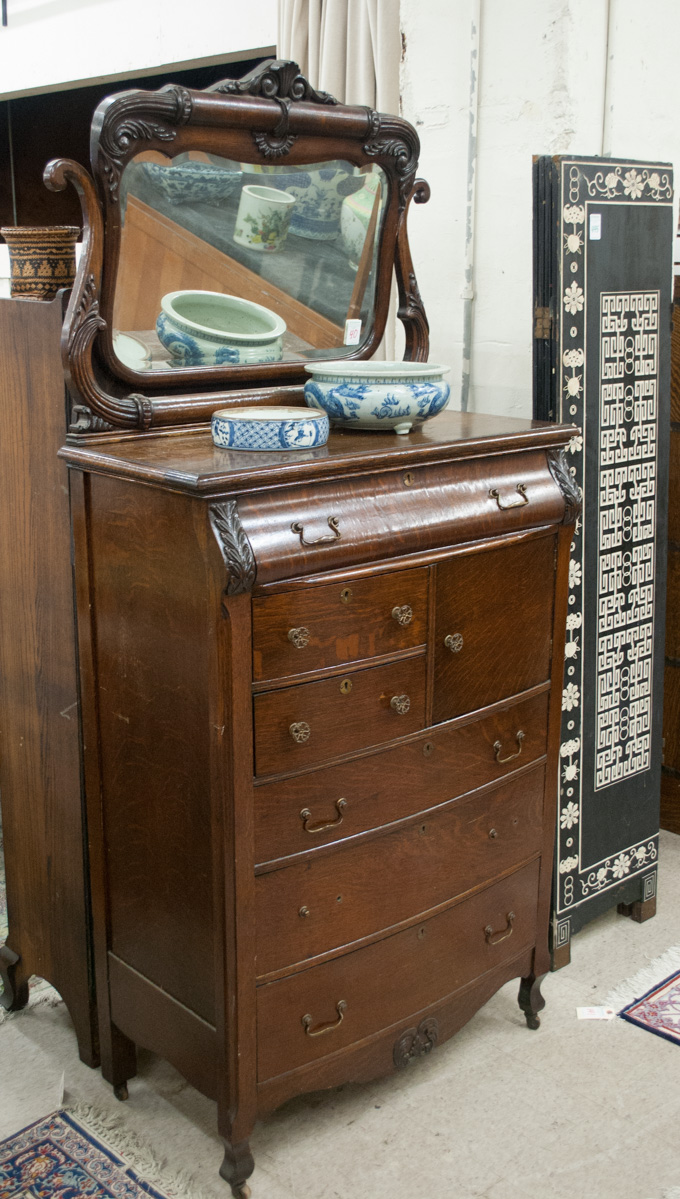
x=230 y=236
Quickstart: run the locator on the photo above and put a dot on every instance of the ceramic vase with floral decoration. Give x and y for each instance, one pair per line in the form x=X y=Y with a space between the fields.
x=263 y=218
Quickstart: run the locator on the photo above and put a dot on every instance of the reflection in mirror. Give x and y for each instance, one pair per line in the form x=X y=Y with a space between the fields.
x=226 y=262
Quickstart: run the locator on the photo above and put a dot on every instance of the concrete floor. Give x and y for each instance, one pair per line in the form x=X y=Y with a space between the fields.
x=576 y=1110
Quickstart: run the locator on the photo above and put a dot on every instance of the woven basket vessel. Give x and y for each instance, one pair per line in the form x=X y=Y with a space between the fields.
x=42 y=259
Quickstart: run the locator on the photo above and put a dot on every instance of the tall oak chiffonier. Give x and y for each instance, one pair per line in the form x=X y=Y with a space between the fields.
x=304 y=675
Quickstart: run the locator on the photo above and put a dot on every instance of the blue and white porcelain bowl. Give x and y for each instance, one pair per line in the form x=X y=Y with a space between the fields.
x=193 y=182
x=269 y=428
x=377 y=395
x=207 y=328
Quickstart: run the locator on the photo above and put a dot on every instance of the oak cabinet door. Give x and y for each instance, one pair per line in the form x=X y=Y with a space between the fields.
x=493 y=625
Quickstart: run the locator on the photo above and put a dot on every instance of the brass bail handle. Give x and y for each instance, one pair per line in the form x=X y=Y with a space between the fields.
x=321 y=825
x=493 y=938
x=521 y=488
x=498 y=745
x=340 y=1007
x=335 y=534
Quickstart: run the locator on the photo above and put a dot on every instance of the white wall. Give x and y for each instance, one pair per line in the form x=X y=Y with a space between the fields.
x=49 y=43
x=550 y=77
x=544 y=68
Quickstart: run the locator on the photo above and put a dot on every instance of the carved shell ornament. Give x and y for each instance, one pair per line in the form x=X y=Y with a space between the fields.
x=280 y=81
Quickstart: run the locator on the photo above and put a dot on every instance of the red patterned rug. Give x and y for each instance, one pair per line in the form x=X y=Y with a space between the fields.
x=658 y=1010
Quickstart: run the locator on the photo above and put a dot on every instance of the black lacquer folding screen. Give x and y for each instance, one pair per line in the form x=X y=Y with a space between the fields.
x=603 y=233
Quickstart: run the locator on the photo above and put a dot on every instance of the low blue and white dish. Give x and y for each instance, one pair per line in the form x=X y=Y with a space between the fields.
x=377 y=395
x=208 y=328
x=194 y=182
x=269 y=428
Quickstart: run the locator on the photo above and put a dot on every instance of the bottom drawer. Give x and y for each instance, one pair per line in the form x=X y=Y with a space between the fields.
x=327 y=1007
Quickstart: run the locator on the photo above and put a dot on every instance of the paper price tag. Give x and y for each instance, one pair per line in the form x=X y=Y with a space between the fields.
x=595 y=1013
x=352 y=332
x=595 y=226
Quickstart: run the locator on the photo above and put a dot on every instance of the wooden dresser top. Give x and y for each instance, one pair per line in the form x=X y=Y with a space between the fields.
x=187 y=460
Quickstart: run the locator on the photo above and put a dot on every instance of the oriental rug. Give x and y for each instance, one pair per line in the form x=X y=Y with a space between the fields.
x=60 y=1157
x=658 y=1010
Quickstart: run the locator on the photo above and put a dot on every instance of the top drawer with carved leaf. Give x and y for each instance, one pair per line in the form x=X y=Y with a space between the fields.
x=315 y=628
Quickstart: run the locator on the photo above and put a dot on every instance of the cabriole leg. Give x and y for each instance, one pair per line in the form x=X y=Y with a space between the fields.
x=238 y=1165
x=530 y=999
x=14 y=982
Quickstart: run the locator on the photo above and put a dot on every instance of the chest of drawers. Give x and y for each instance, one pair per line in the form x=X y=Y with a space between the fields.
x=321 y=703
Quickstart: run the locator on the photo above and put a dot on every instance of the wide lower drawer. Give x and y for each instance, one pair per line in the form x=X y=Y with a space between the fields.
x=333 y=900
x=317 y=627
x=335 y=802
x=298 y=726
x=320 y=1010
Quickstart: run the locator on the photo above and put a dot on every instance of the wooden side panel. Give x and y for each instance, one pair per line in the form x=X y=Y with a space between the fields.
x=148 y=584
x=42 y=812
x=151 y=1017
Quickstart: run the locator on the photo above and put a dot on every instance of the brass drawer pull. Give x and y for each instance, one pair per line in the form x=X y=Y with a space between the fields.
x=340 y=1008
x=300 y=731
x=498 y=745
x=403 y=615
x=335 y=535
x=322 y=825
x=496 y=938
x=523 y=497
x=299 y=637
x=400 y=704
x=454 y=642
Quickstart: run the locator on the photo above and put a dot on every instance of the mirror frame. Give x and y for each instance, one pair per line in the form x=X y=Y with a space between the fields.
x=272 y=116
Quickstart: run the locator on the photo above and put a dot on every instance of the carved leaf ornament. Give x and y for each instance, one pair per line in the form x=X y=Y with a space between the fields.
x=234 y=547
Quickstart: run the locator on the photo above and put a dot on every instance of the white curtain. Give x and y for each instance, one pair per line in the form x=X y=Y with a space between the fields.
x=350 y=48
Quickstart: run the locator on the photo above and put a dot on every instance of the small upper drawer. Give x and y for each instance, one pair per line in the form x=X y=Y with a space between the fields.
x=317 y=627
x=341 y=897
x=358 y=994
x=336 y=802
x=298 y=726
